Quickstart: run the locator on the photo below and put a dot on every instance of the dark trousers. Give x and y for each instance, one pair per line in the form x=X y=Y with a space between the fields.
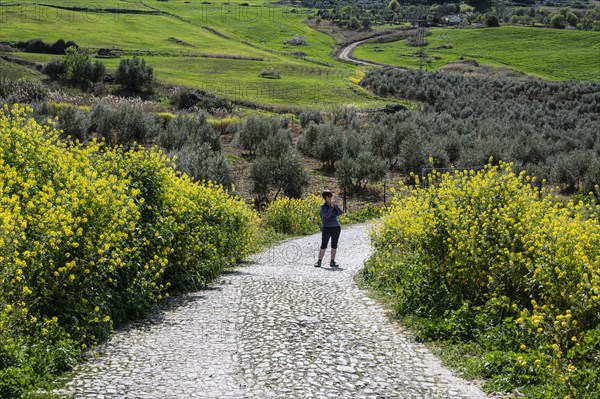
x=330 y=232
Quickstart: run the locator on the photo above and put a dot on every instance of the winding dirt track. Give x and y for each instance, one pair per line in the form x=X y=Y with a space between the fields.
x=345 y=54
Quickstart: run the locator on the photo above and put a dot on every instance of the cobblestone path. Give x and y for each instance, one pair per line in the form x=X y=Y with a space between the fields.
x=275 y=328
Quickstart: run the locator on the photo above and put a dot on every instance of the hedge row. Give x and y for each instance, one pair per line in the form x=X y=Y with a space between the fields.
x=91 y=236
x=487 y=259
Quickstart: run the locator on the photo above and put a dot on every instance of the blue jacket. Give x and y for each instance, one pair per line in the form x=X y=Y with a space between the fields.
x=329 y=215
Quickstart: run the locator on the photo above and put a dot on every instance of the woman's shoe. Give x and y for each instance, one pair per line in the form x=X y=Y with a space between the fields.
x=317 y=264
x=333 y=264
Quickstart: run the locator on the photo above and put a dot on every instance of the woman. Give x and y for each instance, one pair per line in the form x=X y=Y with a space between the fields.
x=331 y=228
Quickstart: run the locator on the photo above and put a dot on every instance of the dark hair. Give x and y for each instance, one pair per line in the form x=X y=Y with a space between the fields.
x=326 y=193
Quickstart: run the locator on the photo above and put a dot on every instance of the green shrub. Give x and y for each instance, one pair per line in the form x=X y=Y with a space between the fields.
x=278 y=167
x=253 y=131
x=294 y=216
x=308 y=138
x=479 y=256
x=186 y=99
x=123 y=125
x=196 y=146
x=187 y=130
x=75 y=68
x=74 y=122
x=200 y=162
x=310 y=115
x=324 y=142
x=591 y=181
x=134 y=75
x=222 y=125
x=164 y=118
x=284 y=173
x=360 y=170
x=54 y=68
x=22 y=91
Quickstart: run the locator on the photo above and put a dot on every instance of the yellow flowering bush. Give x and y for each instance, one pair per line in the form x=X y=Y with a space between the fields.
x=92 y=235
x=222 y=124
x=294 y=216
x=485 y=257
x=301 y=216
x=360 y=213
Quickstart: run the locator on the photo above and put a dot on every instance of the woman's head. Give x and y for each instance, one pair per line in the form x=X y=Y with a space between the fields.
x=326 y=194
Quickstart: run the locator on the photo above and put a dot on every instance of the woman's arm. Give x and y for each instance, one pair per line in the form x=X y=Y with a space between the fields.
x=338 y=210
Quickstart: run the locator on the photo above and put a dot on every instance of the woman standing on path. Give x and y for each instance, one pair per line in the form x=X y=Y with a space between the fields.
x=331 y=228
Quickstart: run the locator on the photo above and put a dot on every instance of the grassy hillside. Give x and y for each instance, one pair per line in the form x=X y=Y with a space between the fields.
x=223 y=47
x=124 y=32
x=13 y=71
x=549 y=53
x=261 y=24
x=237 y=79
x=216 y=47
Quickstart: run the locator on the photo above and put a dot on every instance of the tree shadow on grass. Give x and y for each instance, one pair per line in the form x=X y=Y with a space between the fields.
x=326 y=170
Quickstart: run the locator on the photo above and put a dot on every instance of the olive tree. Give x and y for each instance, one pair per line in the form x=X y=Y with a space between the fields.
x=134 y=75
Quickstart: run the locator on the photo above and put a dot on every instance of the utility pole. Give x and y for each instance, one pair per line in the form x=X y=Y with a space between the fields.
x=421 y=36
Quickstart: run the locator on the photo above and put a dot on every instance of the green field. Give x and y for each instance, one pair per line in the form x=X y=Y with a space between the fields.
x=549 y=53
x=223 y=47
x=215 y=47
x=129 y=32
x=261 y=24
x=300 y=84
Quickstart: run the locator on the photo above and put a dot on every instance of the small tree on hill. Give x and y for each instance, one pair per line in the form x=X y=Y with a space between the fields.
x=277 y=145
x=492 y=21
x=570 y=16
x=310 y=115
x=80 y=70
x=590 y=20
x=386 y=140
x=412 y=155
x=360 y=169
x=75 y=68
x=344 y=171
x=285 y=174
x=134 y=75
x=278 y=167
x=189 y=129
x=466 y=8
x=308 y=138
x=324 y=142
x=54 y=68
x=202 y=162
x=591 y=181
x=368 y=168
x=557 y=21
x=256 y=129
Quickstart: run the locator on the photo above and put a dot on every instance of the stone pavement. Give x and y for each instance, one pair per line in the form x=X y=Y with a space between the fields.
x=277 y=327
